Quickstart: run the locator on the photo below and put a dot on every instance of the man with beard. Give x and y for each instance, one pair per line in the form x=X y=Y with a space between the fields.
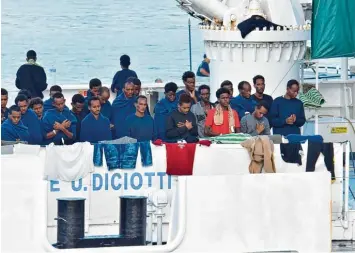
x=258 y=96
x=201 y=109
x=95 y=127
x=243 y=103
x=122 y=107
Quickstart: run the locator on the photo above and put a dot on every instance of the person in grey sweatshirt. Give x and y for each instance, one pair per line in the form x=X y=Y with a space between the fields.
x=201 y=108
x=256 y=123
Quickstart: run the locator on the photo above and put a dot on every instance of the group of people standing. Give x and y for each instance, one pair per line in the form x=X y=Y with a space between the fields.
x=188 y=114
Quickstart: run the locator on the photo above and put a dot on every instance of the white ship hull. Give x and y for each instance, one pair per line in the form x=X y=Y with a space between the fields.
x=220 y=208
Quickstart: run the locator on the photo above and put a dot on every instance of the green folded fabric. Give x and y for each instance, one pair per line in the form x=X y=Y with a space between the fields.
x=312 y=99
x=228 y=138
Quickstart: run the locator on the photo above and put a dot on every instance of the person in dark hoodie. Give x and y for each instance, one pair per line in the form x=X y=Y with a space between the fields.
x=48 y=104
x=287 y=112
x=4 y=109
x=13 y=129
x=121 y=76
x=30 y=120
x=31 y=76
x=181 y=124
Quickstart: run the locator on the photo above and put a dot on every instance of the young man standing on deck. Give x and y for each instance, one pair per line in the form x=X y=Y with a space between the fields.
x=287 y=112
x=106 y=107
x=4 y=109
x=229 y=86
x=93 y=91
x=140 y=126
x=222 y=119
x=77 y=103
x=204 y=69
x=258 y=96
x=36 y=105
x=13 y=129
x=121 y=76
x=256 y=123
x=31 y=76
x=137 y=90
x=59 y=123
x=48 y=104
x=30 y=120
x=201 y=109
x=243 y=103
x=181 y=123
x=122 y=107
x=163 y=109
x=94 y=86
x=189 y=80
x=95 y=127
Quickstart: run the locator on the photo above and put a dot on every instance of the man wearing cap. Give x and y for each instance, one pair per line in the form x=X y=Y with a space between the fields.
x=31 y=76
x=204 y=69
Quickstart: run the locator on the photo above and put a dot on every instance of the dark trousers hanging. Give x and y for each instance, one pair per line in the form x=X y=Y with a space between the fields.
x=314 y=150
x=290 y=152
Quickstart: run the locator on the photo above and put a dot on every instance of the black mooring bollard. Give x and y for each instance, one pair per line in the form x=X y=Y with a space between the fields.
x=70 y=222
x=133 y=217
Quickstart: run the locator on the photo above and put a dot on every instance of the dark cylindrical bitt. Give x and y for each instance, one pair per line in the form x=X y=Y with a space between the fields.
x=70 y=221
x=133 y=217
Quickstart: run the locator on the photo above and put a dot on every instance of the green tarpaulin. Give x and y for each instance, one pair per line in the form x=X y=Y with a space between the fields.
x=333 y=28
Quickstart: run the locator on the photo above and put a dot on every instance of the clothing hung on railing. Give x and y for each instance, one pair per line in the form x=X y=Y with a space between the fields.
x=260 y=149
x=68 y=163
x=312 y=99
x=314 y=150
x=291 y=152
x=228 y=138
x=122 y=156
